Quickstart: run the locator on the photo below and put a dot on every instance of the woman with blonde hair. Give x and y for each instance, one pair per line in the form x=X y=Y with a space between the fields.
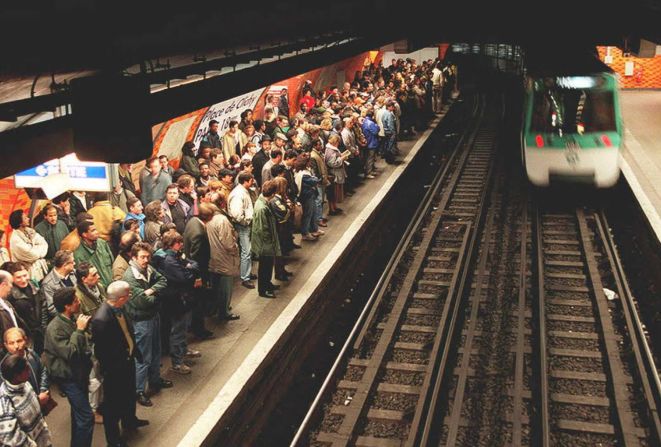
x=281 y=207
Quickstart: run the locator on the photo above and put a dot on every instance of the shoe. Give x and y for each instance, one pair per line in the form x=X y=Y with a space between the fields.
x=231 y=317
x=296 y=246
x=288 y=273
x=318 y=233
x=339 y=210
x=192 y=353
x=349 y=193
x=324 y=220
x=253 y=276
x=98 y=418
x=267 y=294
x=164 y=384
x=137 y=423
x=370 y=176
x=273 y=287
x=309 y=237
x=334 y=212
x=248 y=285
x=203 y=334
x=143 y=400
x=180 y=369
x=282 y=277
x=322 y=224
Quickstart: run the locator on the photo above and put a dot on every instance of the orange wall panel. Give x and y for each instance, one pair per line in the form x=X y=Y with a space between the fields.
x=646 y=71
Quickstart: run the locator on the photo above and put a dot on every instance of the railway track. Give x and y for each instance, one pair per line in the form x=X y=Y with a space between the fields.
x=491 y=326
x=598 y=383
x=380 y=390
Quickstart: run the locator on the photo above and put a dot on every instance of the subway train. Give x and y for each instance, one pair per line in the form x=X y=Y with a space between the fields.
x=572 y=125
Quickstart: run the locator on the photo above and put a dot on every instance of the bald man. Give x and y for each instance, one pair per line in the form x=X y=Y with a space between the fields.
x=16 y=342
x=115 y=348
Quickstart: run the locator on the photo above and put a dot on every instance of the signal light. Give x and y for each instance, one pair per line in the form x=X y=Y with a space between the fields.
x=606 y=140
x=540 y=141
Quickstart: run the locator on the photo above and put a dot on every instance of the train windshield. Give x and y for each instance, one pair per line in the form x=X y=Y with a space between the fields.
x=572 y=105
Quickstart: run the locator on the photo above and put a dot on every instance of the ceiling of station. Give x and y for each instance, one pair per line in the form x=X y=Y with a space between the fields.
x=72 y=35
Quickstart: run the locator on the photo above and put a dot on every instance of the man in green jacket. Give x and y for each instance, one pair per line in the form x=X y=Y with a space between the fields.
x=94 y=250
x=52 y=229
x=264 y=240
x=68 y=357
x=146 y=286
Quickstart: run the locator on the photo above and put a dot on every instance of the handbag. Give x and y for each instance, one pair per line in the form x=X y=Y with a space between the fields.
x=48 y=406
x=297 y=213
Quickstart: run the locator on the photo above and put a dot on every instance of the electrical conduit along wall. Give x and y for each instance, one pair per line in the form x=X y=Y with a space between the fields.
x=633 y=72
x=170 y=136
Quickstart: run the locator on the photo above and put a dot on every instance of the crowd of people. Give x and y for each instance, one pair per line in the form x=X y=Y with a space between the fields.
x=98 y=287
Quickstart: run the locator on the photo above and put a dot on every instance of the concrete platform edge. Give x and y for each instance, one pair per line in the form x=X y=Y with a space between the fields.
x=208 y=421
x=651 y=213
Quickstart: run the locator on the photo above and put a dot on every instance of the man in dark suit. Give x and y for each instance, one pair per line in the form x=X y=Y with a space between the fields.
x=8 y=316
x=115 y=348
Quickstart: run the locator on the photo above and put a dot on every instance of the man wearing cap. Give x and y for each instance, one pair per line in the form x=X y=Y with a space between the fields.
x=226 y=178
x=280 y=140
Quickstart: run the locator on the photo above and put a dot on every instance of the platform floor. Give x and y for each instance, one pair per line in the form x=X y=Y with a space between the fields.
x=175 y=410
x=641 y=157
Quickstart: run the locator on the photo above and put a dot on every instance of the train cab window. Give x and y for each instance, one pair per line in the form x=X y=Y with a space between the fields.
x=572 y=110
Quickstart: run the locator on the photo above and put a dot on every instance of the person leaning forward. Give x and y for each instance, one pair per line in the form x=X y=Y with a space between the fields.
x=115 y=348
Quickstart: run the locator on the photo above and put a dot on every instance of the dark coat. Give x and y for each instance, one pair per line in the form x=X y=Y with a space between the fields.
x=6 y=321
x=180 y=273
x=264 y=236
x=110 y=345
x=258 y=161
x=67 y=352
x=77 y=206
x=29 y=309
x=196 y=243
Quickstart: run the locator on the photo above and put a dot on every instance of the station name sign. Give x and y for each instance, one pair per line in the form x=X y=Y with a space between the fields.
x=66 y=174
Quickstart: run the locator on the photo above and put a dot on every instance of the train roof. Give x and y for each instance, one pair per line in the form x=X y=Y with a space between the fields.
x=551 y=63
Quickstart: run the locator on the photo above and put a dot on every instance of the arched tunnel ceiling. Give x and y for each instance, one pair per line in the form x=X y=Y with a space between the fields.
x=69 y=35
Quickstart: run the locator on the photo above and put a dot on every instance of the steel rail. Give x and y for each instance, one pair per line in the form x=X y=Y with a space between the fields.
x=618 y=382
x=543 y=419
x=424 y=423
x=432 y=192
x=366 y=387
x=647 y=370
x=377 y=294
x=520 y=326
x=482 y=272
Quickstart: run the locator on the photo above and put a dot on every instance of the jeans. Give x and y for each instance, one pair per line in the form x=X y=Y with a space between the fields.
x=222 y=290
x=390 y=146
x=244 y=246
x=178 y=345
x=319 y=204
x=82 y=418
x=370 y=160
x=148 y=341
x=308 y=223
